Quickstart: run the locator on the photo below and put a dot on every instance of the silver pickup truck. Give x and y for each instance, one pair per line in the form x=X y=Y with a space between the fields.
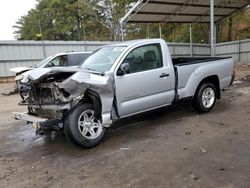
x=118 y=81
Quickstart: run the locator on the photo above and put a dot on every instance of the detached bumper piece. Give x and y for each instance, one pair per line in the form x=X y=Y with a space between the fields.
x=29 y=118
x=39 y=123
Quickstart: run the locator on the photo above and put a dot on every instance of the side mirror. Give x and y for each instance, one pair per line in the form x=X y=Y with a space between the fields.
x=124 y=69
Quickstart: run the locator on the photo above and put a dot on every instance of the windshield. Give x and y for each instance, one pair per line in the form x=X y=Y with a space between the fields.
x=103 y=59
x=41 y=63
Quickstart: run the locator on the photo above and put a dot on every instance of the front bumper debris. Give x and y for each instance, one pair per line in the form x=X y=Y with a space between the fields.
x=36 y=121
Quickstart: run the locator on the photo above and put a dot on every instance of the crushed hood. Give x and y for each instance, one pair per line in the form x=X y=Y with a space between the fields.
x=38 y=73
x=102 y=84
x=77 y=83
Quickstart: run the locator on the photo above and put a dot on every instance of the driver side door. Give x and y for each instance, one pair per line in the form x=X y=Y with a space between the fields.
x=147 y=83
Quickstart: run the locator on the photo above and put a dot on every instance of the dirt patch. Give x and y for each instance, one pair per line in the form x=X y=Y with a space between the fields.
x=242 y=70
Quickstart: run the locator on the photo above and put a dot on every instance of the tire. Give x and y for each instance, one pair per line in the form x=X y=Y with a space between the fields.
x=205 y=98
x=82 y=129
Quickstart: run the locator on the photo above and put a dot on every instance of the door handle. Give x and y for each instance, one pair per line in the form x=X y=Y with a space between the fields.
x=163 y=75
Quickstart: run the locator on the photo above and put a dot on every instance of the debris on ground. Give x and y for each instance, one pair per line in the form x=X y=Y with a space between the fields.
x=222 y=169
x=221 y=123
x=50 y=178
x=195 y=177
x=125 y=148
x=203 y=150
x=188 y=133
x=235 y=132
x=237 y=82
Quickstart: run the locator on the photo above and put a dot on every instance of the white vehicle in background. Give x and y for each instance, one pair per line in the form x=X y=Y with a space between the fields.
x=57 y=60
x=66 y=59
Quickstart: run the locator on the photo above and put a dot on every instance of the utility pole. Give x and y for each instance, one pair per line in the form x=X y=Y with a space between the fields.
x=148 y=31
x=212 y=27
x=122 y=32
x=230 y=29
x=84 y=35
x=173 y=43
x=160 y=33
x=40 y=28
x=191 y=40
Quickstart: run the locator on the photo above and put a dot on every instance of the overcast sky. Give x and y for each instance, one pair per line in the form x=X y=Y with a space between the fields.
x=10 y=12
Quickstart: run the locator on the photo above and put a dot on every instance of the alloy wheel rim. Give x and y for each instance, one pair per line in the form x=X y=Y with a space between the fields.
x=208 y=97
x=88 y=125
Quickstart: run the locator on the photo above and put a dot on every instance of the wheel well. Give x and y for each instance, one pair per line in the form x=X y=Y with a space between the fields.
x=215 y=81
x=93 y=98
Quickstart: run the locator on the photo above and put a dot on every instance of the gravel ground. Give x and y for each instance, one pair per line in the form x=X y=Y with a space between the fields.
x=170 y=147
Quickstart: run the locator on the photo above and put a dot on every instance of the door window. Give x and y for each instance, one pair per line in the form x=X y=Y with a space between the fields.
x=58 y=61
x=144 y=58
x=76 y=59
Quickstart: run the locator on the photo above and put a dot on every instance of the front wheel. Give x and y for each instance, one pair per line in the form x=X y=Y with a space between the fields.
x=205 y=98
x=83 y=128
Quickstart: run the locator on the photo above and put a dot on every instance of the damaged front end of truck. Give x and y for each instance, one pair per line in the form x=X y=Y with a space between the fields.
x=50 y=95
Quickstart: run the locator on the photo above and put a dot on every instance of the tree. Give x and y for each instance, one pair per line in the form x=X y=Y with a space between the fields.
x=107 y=13
x=73 y=19
x=60 y=20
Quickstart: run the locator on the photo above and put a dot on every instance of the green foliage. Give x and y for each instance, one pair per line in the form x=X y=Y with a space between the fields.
x=73 y=19
x=99 y=20
x=240 y=27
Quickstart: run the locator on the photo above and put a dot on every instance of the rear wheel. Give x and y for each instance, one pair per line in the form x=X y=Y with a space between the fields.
x=205 y=97
x=83 y=128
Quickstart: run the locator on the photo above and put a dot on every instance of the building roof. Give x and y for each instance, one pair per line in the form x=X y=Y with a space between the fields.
x=183 y=11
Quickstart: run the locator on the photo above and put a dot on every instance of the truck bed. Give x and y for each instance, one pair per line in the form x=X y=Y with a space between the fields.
x=189 y=71
x=194 y=60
